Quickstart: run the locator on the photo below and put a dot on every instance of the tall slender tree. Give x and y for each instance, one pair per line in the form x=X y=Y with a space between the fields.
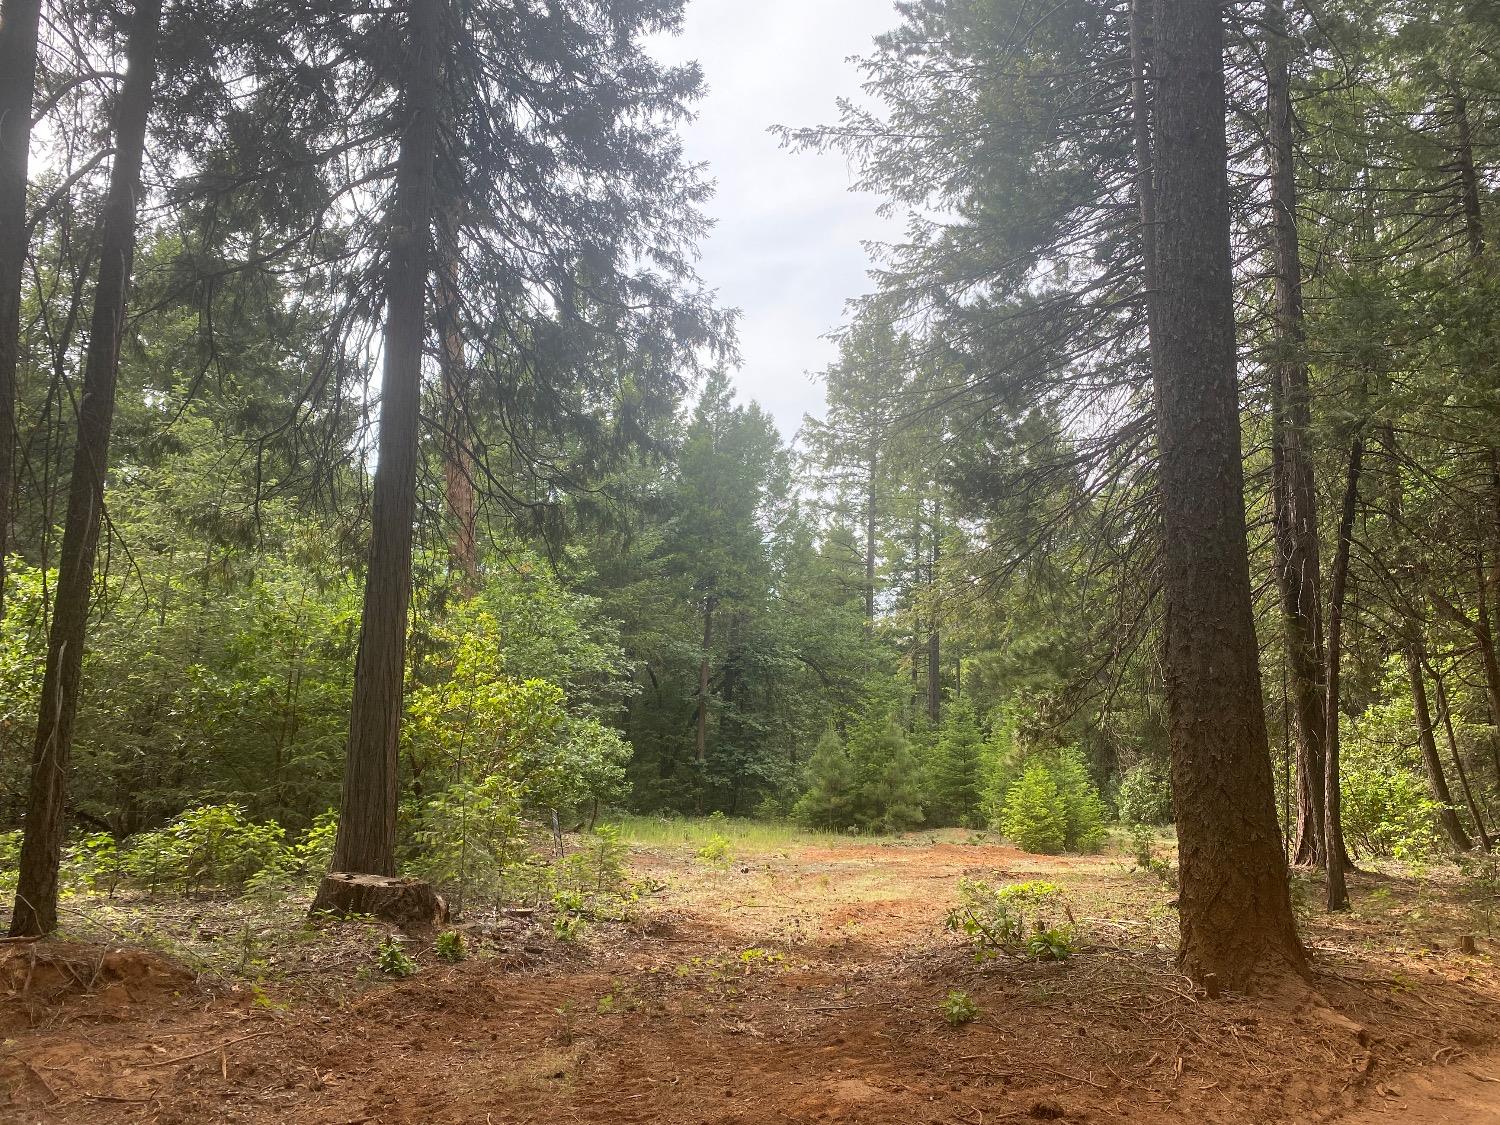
x=367 y=821
x=41 y=849
x=19 y=23
x=1236 y=914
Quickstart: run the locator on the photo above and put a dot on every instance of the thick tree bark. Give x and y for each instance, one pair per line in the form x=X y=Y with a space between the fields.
x=1236 y=913
x=1458 y=761
x=19 y=20
x=1332 y=793
x=458 y=458
x=41 y=849
x=1293 y=491
x=1467 y=175
x=1434 y=766
x=367 y=821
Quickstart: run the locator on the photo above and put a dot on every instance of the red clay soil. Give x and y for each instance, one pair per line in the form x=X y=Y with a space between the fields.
x=791 y=989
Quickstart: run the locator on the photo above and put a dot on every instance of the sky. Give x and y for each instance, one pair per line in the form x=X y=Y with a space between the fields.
x=786 y=250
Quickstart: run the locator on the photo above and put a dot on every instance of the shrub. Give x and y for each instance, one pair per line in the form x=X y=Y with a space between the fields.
x=1035 y=818
x=1006 y=919
x=1388 y=810
x=469 y=835
x=1083 y=808
x=598 y=867
x=1145 y=795
x=716 y=852
x=10 y=862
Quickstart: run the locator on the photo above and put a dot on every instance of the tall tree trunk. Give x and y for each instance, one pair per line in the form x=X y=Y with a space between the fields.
x=1467 y=175
x=1447 y=816
x=19 y=20
x=872 y=468
x=1235 y=909
x=701 y=747
x=367 y=821
x=1145 y=160
x=1458 y=760
x=1293 y=491
x=1332 y=792
x=458 y=458
x=41 y=849
x=934 y=633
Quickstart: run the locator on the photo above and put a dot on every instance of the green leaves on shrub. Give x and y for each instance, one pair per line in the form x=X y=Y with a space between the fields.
x=1031 y=919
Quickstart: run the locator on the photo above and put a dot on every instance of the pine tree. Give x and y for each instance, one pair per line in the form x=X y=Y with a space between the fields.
x=831 y=800
x=953 y=769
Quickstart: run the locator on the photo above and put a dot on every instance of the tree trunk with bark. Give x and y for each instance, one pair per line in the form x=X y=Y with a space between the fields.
x=872 y=468
x=1293 y=490
x=1333 y=818
x=41 y=849
x=934 y=630
x=1425 y=738
x=1458 y=761
x=1236 y=913
x=458 y=456
x=367 y=821
x=19 y=21
x=701 y=747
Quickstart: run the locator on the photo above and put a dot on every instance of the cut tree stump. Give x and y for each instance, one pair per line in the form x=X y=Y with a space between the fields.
x=408 y=903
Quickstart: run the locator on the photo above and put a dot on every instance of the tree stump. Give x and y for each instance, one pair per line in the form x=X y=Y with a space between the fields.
x=408 y=903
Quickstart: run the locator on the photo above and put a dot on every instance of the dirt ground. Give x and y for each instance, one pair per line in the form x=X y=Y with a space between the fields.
x=801 y=985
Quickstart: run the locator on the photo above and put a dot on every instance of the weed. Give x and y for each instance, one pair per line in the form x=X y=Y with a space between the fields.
x=450 y=947
x=959 y=1008
x=1051 y=945
x=1004 y=919
x=393 y=960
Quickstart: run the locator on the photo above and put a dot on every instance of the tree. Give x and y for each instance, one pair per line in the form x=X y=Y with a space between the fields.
x=953 y=769
x=367 y=819
x=36 y=895
x=19 y=21
x=1236 y=915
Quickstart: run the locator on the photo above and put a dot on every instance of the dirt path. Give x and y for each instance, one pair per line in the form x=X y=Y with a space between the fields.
x=802 y=987
x=1463 y=1094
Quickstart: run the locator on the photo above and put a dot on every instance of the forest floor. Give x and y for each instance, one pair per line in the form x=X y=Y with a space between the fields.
x=802 y=982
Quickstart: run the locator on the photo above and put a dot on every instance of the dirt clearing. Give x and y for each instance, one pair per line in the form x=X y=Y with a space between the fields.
x=800 y=984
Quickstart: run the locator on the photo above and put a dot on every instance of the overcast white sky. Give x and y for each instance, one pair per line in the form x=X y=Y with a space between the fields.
x=787 y=248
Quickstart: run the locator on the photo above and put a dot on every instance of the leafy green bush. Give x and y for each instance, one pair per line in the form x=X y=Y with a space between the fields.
x=469 y=835
x=1006 y=919
x=1145 y=795
x=1388 y=811
x=716 y=852
x=10 y=862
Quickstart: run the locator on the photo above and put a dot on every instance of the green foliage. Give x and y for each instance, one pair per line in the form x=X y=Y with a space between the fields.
x=832 y=800
x=1054 y=806
x=392 y=960
x=1006 y=919
x=1035 y=817
x=1388 y=808
x=1051 y=945
x=1145 y=795
x=954 y=769
x=10 y=862
x=716 y=852
x=449 y=947
x=598 y=866
x=468 y=837
x=959 y=1008
x=1143 y=848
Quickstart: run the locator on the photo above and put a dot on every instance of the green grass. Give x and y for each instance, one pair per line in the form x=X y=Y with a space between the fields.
x=743 y=835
